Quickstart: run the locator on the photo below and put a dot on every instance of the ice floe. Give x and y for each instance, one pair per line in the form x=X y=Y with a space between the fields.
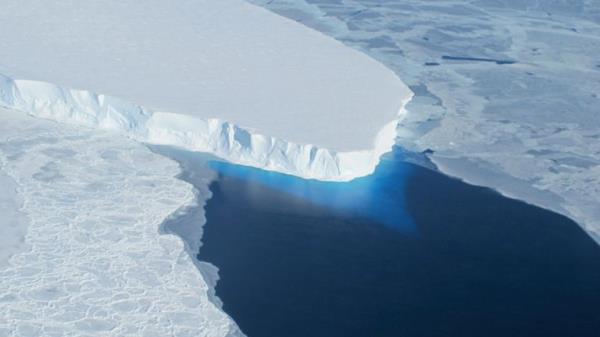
x=96 y=263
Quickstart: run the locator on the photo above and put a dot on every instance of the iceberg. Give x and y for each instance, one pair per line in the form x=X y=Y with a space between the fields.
x=224 y=77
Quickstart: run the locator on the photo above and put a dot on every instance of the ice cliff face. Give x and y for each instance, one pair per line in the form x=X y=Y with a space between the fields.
x=243 y=83
x=528 y=129
x=219 y=137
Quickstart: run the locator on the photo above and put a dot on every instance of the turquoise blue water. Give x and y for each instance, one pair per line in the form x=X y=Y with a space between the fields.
x=407 y=252
x=371 y=197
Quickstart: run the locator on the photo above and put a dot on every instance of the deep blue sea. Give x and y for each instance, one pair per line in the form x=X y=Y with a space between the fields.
x=405 y=252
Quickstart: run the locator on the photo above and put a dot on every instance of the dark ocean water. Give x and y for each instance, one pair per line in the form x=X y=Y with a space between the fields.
x=406 y=252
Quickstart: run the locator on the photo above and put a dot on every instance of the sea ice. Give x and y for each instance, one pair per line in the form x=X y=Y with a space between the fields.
x=506 y=92
x=13 y=223
x=96 y=263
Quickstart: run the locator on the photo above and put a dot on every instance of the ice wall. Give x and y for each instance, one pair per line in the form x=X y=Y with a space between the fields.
x=212 y=135
x=237 y=80
x=506 y=92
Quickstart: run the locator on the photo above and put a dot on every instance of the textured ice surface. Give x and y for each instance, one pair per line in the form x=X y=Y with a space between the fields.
x=13 y=223
x=230 y=60
x=97 y=264
x=213 y=135
x=506 y=92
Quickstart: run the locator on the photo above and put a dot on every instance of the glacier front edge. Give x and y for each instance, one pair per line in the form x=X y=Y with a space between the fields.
x=212 y=135
x=224 y=77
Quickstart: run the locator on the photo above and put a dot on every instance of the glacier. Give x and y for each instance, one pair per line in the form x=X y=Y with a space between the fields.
x=213 y=135
x=84 y=84
x=225 y=77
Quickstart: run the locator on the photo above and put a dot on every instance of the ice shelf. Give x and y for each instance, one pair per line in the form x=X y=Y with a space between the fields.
x=506 y=92
x=225 y=77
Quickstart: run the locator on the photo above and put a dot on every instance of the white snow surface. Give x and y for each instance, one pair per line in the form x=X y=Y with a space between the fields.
x=13 y=223
x=223 y=76
x=96 y=263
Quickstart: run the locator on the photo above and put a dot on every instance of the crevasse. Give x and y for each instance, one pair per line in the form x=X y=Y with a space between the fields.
x=221 y=138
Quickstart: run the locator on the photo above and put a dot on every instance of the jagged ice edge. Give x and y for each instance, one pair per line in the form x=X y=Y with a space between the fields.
x=221 y=138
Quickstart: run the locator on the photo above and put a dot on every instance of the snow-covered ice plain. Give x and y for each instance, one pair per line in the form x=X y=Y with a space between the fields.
x=13 y=223
x=96 y=263
x=507 y=92
x=225 y=77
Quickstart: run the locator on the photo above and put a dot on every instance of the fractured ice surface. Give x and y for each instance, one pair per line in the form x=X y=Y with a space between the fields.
x=13 y=223
x=506 y=92
x=95 y=263
x=237 y=80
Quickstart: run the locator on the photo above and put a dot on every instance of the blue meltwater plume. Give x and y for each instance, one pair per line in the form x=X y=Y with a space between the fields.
x=378 y=197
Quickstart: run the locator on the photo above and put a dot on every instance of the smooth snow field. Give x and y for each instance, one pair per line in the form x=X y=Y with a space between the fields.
x=506 y=91
x=297 y=101
x=95 y=261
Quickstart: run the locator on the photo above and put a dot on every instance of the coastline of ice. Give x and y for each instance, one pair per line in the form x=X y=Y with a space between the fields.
x=506 y=92
x=215 y=136
x=96 y=262
x=188 y=222
x=225 y=77
x=265 y=92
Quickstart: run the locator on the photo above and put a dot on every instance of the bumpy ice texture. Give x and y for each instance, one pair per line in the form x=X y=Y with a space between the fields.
x=96 y=263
